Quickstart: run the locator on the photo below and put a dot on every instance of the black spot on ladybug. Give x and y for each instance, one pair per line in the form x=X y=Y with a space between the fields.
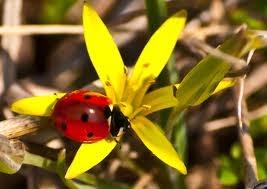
x=84 y=117
x=90 y=135
x=63 y=126
x=107 y=112
x=87 y=96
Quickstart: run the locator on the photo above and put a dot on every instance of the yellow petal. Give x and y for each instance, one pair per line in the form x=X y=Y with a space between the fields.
x=164 y=97
x=37 y=106
x=158 y=50
x=88 y=156
x=104 y=54
x=160 y=99
x=224 y=84
x=155 y=140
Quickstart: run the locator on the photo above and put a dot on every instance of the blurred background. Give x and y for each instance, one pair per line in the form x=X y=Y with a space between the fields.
x=49 y=55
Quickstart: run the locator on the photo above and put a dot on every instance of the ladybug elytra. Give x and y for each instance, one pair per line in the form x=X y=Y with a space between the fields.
x=86 y=116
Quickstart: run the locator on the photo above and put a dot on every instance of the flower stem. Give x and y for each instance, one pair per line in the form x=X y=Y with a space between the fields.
x=156 y=12
x=59 y=167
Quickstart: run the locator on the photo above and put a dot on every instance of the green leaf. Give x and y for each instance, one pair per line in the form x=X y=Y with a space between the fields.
x=179 y=140
x=202 y=80
x=156 y=13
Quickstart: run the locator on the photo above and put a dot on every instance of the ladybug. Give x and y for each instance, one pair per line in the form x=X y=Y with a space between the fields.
x=86 y=116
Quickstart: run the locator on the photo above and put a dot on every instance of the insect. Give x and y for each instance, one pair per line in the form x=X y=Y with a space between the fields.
x=86 y=116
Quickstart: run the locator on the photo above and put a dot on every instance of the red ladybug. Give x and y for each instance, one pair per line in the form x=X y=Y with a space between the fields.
x=86 y=116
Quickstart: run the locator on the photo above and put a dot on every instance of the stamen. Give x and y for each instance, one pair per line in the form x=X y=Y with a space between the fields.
x=146 y=107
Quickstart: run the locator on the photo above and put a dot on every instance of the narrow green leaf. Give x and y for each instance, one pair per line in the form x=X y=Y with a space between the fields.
x=83 y=181
x=202 y=80
x=156 y=13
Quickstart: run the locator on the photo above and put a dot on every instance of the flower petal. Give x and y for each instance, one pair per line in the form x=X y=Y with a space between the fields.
x=224 y=84
x=103 y=53
x=161 y=98
x=37 y=106
x=155 y=140
x=158 y=50
x=89 y=155
x=164 y=97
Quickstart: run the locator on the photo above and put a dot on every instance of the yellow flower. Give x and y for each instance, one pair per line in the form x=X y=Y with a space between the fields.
x=128 y=91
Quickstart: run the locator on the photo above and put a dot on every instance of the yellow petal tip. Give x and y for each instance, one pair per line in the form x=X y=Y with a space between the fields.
x=70 y=175
x=178 y=164
x=37 y=105
x=182 y=168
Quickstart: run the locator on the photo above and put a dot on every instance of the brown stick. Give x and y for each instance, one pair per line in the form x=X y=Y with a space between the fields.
x=41 y=29
x=244 y=136
x=22 y=125
x=12 y=44
x=230 y=121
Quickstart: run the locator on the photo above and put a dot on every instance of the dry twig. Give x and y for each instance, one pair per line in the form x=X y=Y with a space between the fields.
x=12 y=44
x=21 y=125
x=244 y=136
x=235 y=62
x=41 y=29
x=230 y=121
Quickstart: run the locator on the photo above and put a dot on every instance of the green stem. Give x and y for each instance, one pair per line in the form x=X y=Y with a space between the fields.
x=59 y=168
x=156 y=12
x=39 y=161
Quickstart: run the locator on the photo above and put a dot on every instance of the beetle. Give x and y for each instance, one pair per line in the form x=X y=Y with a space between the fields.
x=86 y=116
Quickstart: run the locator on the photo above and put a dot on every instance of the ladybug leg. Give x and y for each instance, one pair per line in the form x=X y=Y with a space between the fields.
x=118 y=142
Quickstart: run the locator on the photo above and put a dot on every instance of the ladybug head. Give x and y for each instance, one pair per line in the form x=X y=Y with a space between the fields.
x=118 y=122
